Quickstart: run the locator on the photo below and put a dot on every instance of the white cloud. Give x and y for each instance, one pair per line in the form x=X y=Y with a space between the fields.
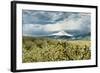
x=71 y=23
x=67 y=24
x=28 y=29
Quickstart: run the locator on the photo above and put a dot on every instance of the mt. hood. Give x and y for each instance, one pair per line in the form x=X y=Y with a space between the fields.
x=62 y=33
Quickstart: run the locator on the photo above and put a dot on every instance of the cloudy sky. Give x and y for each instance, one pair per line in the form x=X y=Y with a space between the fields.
x=38 y=22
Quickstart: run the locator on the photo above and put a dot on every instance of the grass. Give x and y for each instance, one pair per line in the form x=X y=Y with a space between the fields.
x=43 y=50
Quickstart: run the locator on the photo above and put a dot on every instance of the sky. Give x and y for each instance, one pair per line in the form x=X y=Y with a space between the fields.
x=39 y=22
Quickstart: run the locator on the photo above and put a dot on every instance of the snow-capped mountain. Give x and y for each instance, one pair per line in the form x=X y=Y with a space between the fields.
x=62 y=33
x=70 y=35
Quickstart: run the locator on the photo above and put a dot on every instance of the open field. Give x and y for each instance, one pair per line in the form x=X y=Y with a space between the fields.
x=43 y=50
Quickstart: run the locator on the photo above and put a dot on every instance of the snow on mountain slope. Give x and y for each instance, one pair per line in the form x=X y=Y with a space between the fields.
x=62 y=33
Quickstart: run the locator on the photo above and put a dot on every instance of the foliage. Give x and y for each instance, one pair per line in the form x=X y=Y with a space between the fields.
x=44 y=49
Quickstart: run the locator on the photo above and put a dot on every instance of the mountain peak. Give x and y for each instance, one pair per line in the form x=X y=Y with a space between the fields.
x=62 y=33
